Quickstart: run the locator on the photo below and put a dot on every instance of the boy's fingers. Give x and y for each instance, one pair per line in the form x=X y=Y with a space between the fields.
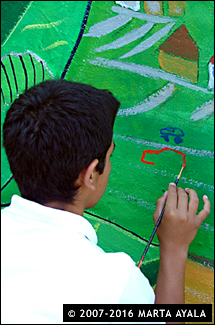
x=194 y=201
x=205 y=212
x=172 y=196
x=159 y=206
x=182 y=201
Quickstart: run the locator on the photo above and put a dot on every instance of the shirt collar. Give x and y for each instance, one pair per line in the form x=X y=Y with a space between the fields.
x=60 y=218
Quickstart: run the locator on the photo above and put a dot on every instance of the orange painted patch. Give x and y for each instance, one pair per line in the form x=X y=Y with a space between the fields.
x=179 y=66
x=199 y=286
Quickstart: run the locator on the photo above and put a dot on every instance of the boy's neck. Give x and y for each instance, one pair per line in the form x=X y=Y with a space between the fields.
x=65 y=207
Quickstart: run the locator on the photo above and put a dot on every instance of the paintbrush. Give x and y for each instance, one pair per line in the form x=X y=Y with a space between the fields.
x=158 y=222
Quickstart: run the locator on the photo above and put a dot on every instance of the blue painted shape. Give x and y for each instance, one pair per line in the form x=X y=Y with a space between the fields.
x=170 y=131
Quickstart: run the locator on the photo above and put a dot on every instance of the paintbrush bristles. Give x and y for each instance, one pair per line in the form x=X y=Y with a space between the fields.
x=179 y=175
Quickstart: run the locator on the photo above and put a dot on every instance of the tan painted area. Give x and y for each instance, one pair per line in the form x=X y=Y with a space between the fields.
x=176 y=8
x=179 y=66
x=199 y=286
x=150 y=6
x=55 y=44
x=41 y=26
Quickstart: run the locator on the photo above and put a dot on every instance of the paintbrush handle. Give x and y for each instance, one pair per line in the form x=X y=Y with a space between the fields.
x=157 y=224
x=152 y=236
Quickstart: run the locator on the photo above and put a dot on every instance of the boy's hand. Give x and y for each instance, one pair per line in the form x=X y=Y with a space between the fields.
x=176 y=231
x=180 y=222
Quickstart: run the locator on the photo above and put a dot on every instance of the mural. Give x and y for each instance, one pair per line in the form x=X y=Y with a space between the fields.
x=155 y=58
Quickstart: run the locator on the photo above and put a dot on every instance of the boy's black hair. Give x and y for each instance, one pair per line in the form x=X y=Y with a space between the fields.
x=52 y=132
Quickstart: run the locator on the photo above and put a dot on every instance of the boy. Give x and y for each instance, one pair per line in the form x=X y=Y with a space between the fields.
x=58 y=140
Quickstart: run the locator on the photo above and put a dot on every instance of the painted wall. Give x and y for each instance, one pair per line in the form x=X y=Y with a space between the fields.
x=157 y=58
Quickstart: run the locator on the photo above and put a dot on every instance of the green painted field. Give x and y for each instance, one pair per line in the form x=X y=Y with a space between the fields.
x=134 y=187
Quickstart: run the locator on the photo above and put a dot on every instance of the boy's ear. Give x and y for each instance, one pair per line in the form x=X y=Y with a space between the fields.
x=89 y=175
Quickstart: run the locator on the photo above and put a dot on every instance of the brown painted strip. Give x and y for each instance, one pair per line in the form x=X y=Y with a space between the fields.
x=181 y=44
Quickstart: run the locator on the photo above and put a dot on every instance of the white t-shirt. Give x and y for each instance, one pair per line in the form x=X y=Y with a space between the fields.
x=50 y=257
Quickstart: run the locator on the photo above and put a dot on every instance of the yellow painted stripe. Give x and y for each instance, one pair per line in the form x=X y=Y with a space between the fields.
x=41 y=26
x=55 y=44
x=96 y=226
x=199 y=286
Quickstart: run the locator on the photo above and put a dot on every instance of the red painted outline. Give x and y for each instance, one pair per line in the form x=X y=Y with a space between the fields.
x=159 y=151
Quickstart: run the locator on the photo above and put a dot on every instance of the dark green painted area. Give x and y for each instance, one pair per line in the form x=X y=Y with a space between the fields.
x=11 y=11
x=133 y=187
x=64 y=19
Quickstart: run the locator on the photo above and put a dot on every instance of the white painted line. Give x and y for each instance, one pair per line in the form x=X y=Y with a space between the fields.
x=124 y=15
x=142 y=16
x=164 y=173
x=127 y=38
x=107 y=26
x=205 y=110
x=206 y=227
x=137 y=201
x=134 y=5
x=149 y=42
x=147 y=72
x=185 y=150
x=151 y=102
